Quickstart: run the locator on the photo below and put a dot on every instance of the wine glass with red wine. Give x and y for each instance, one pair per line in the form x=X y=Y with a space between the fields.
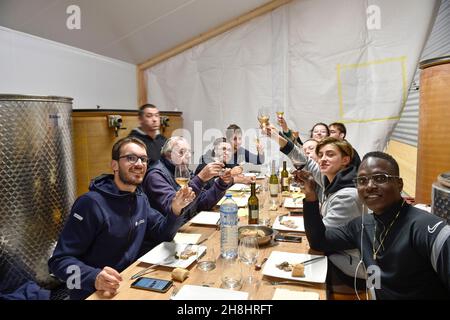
x=298 y=166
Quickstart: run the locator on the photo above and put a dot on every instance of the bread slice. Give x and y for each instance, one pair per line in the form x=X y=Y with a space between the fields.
x=298 y=270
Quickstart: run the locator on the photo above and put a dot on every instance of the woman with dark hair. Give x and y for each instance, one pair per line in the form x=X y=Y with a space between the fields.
x=319 y=131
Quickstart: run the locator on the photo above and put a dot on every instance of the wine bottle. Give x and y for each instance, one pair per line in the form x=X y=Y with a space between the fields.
x=253 y=206
x=273 y=182
x=284 y=178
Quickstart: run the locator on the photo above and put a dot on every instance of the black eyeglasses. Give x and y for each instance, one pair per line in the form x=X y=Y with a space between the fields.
x=380 y=178
x=132 y=158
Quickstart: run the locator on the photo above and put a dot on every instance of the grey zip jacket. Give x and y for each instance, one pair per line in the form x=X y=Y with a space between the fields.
x=339 y=203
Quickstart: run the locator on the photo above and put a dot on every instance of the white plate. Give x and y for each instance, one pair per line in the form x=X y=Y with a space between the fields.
x=293 y=204
x=297 y=220
x=314 y=272
x=162 y=254
x=240 y=201
x=239 y=187
x=206 y=217
x=190 y=292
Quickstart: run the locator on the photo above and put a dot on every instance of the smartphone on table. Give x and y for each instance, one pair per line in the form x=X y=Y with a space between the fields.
x=288 y=238
x=152 y=284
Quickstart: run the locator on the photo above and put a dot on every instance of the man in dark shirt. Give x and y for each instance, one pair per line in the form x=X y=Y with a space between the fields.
x=405 y=250
x=148 y=131
x=240 y=154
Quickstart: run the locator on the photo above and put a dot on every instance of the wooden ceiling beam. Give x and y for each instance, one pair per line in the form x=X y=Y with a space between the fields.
x=142 y=92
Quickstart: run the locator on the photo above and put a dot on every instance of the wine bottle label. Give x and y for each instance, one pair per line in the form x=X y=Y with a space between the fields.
x=254 y=214
x=285 y=182
x=273 y=189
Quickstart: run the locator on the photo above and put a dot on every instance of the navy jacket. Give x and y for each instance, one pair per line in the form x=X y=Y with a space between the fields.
x=106 y=227
x=160 y=186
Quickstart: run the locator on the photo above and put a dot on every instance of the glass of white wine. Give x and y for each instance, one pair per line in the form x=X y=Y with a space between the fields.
x=264 y=116
x=182 y=175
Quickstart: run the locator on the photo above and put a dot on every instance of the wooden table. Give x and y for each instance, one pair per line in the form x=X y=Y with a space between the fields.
x=198 y=277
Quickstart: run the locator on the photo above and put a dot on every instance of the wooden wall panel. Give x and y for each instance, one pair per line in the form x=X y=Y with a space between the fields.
x=406 y=157
x=434 y=127
x=93 y=141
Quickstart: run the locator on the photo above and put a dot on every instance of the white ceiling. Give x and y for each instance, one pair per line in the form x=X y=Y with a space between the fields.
x=128 y=30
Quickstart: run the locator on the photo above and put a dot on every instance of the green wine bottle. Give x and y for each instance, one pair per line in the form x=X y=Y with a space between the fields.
x=253 y=206
x=273 y=182
x=284 y=178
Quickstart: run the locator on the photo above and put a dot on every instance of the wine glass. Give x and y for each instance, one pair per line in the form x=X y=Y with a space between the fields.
x=280 y=114
x=231 y=274
x=182 y=175
x=264 y=116
x=298 y=166
x=206 y=261
x=248 y=252
x=240 y=158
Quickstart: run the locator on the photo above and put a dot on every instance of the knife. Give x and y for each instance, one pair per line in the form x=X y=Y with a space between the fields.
x=312 y=260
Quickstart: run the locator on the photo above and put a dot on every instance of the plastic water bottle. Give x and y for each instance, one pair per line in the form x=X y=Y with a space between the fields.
x=228 y=228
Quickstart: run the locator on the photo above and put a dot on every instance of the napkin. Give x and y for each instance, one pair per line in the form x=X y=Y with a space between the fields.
x=191 y=292
x=191 y=238
x=286 y=294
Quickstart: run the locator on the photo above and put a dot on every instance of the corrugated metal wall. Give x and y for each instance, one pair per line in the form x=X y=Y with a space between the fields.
x=438 y=45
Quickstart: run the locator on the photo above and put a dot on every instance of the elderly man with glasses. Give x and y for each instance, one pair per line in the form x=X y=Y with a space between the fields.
x=405 y=250
x=107 y=225
x=160 y=183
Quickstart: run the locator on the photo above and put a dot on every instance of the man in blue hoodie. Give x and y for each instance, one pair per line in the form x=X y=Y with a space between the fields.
x=108 y=224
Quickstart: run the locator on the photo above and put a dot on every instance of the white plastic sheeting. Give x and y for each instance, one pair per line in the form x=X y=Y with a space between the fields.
x=318 y=60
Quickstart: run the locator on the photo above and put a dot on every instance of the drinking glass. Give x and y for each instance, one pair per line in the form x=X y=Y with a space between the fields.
x=207 y=260
x=248 y=253
x=231 y=274
x=220 y=158
x=264 y=116
x=298 y=166
x=241 y=159
x=182 y=175
x=280 y=114
x=206 y=263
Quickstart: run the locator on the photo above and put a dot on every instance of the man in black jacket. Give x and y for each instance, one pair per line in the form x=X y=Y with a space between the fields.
x=405 y=250
x=148 y=132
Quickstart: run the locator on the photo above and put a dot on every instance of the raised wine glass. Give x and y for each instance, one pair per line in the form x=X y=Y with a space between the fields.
x=264 y=116
x=298 y=166
x=182 y=175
